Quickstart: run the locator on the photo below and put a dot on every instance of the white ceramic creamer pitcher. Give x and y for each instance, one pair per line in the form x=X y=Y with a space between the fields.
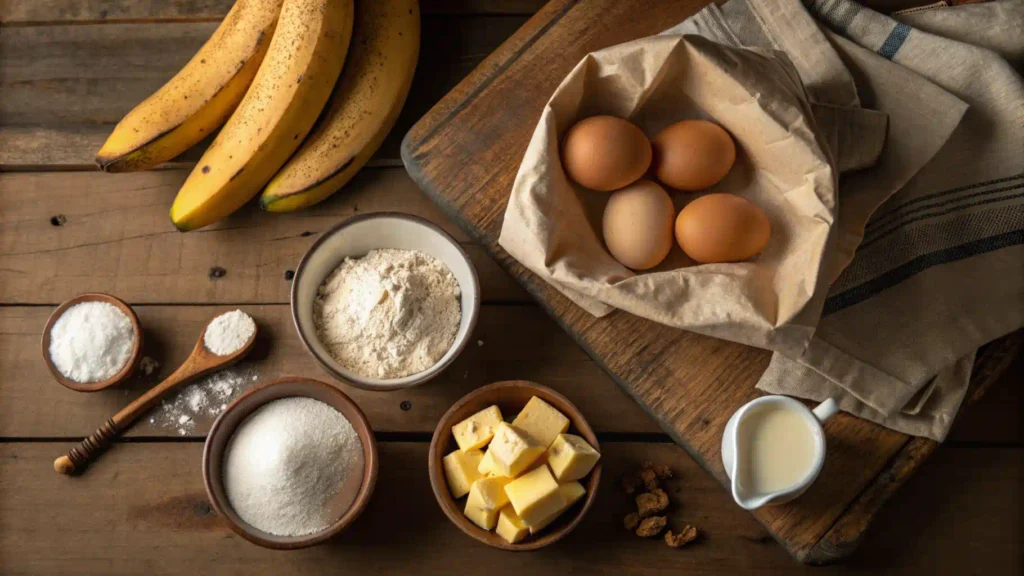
x=766 y=455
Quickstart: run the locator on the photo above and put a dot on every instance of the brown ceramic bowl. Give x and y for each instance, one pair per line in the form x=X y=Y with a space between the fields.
x=239 y=410
x=510 y=396
x=133 y=361
x=356 y=237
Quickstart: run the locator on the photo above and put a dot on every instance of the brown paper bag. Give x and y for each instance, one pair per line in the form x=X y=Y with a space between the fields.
x=786 y=163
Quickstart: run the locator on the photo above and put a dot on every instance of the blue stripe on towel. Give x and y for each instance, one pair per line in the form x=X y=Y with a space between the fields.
x=893 y=277
x=896 y=38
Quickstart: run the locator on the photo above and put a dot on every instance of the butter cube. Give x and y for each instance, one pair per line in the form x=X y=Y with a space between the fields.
x=571 y=492
x=541 y=422
x=510 y=525
x=571 y=458
x=535 y=496
x=487 y=466
x=512 y=451
x=486 y=519
x=461 y=469
x=477 y=430
x=488 y=493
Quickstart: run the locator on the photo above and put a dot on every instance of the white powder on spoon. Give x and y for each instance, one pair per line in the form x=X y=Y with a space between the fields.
x=287 y=462
x=91 y=341
x=229 y=332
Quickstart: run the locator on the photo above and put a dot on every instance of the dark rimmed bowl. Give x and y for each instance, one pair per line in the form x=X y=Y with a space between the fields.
x=133 y=361
x=356 y=237
x=239 y=410
x=510 y=396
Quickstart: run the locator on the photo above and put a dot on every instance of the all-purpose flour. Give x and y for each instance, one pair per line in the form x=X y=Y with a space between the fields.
x=389 y=314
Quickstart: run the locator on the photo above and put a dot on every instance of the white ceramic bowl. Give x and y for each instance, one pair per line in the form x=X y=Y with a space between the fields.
x=355 y=238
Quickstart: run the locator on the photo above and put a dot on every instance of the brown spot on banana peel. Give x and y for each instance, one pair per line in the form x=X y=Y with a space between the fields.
x=265 y=202
x=123 y=163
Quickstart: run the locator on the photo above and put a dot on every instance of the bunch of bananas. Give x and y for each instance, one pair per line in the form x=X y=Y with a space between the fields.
x=296 y=125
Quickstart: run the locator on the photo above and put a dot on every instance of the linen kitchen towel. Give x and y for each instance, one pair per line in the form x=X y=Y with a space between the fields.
x=929 y=263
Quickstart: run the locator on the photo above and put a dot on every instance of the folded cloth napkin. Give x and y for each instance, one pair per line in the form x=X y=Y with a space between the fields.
x=929 y=256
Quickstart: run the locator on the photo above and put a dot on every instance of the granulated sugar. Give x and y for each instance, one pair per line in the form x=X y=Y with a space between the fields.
x=91 y=341
x=286 y=466
x=206 y=398
x=229 y=332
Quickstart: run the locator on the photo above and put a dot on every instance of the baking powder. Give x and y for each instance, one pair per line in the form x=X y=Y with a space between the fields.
x=91 y=341
x=229 y=332
x=389 y=314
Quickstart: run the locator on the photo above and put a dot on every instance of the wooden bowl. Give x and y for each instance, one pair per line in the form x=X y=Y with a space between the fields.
x=239 y=410
x=133 y=361
x=356 y=237
x=510 y=396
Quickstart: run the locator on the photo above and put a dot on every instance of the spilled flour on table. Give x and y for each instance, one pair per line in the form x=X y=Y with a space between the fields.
x=207 y=397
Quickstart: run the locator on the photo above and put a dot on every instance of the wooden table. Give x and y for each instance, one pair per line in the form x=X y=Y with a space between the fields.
x=69 y=69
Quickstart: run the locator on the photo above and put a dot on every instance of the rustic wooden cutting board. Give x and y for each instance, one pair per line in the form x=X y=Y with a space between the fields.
x=465 y=153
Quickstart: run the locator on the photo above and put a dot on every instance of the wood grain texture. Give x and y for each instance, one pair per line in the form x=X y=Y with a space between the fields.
x=510 y=342
x=64 y=87
x=142 y=509
x=36 y=12
x=690 y=383
x=62 y=234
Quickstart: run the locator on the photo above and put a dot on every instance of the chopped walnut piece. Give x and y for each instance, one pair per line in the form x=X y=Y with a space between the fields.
x=631 y=521
x=649 y=478
x=687 y=535
x=661 y=471
x=630 y=482
x=650 y=503
x=651 y=526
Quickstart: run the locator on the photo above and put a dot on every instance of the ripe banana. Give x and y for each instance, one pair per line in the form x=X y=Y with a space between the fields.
x=362 y=109
x=288 y=93
x=199 y=98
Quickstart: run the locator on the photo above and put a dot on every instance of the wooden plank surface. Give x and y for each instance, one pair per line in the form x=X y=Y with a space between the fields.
x=142 y=509
x=42 y=12
x=61 y=233
x=66 y=85
x=510 y=342
x=690 y=383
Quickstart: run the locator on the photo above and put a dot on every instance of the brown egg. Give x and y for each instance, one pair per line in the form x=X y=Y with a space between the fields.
x=722 y=228
x=638 y=225
x=605 y=153
x=693 y=154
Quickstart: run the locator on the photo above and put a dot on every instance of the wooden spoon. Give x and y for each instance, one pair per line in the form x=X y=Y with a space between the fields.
x=200 y=363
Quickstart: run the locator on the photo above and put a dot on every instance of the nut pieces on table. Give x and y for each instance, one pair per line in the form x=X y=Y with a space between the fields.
x=644 y=522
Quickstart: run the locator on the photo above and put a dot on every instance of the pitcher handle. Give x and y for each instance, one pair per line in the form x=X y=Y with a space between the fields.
x=826 y=410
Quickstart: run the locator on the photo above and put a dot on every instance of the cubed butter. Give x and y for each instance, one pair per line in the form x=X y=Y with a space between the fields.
x=488 y=493
x=461 y=469
x=486 y=519
x=571 y=458
x=571 y=492
x=512 y=451
x=477 y=430
x=541 y=422
x=487 y=466
x=535 y=496
x=510 y=525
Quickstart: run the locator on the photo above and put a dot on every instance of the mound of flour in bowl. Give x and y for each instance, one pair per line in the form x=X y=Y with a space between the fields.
x=389 y=314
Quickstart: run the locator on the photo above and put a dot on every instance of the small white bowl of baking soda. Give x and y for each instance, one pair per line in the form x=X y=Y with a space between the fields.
x=773 y=449
x=385 y=301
